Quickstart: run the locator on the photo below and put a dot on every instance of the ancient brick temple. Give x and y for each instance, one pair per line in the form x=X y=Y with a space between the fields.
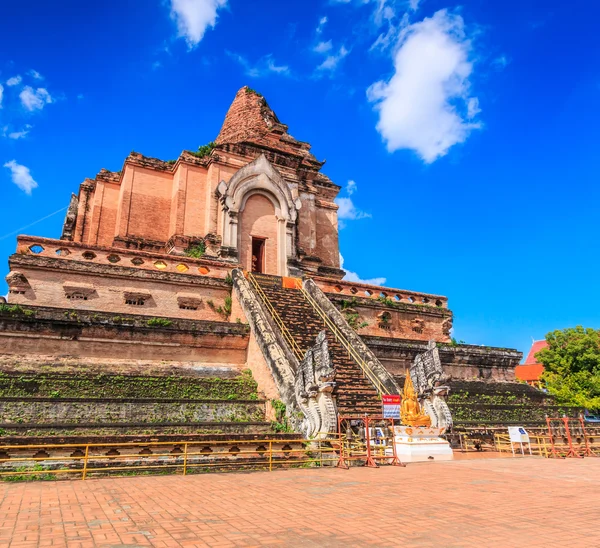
x=150 y=266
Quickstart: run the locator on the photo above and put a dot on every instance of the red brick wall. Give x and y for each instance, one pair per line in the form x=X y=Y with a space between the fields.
x=104 y=215
x=128 y=344
x=47 y=288
x=327 y=237
x=148 y=215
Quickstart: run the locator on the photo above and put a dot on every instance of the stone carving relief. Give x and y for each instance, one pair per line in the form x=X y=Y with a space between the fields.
x=17 y=282
x=447 y=327
x=70 y=219
x=314 y=386
x=427 y=375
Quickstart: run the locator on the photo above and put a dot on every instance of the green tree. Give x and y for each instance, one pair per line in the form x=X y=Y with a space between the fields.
x=572 y=366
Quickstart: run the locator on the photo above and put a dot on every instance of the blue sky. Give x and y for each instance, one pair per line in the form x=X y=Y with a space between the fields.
x=464 y=134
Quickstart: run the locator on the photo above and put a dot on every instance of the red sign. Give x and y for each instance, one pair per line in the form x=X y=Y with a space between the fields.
x=391 y=406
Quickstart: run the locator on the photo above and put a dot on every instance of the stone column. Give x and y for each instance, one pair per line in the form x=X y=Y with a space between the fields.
x=282 y=246
x=233 y=229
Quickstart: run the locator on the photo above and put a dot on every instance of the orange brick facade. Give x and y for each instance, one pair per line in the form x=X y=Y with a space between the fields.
x=163 y=206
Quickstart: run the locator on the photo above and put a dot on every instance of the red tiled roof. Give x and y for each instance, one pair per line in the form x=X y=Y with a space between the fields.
x=535 y=348
x=531 y=370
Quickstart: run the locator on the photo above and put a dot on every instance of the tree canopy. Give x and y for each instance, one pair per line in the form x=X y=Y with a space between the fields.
x=572 y=366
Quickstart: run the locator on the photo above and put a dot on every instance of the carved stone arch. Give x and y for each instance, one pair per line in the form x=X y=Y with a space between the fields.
x=279 y=211
x=261 y=174
x=259 y=177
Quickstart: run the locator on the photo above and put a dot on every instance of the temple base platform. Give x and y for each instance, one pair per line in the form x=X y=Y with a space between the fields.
x=417 y=444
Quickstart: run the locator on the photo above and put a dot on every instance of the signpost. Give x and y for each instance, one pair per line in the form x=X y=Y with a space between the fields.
x=518 y=434
x=391 y=406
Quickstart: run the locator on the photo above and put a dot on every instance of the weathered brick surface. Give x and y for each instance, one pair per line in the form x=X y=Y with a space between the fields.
x=66 y=332
x=462 y=362
x=108 y=287
x=36 y=412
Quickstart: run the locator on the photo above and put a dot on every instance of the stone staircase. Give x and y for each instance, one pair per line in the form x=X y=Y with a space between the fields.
x=354 y=393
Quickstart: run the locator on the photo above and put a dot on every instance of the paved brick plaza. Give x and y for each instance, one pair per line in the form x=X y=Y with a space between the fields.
x=491 y=502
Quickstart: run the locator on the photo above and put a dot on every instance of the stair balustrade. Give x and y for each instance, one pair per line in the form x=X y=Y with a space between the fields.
x=342 y=339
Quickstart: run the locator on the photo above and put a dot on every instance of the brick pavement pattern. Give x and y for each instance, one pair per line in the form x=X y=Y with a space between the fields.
x=491 y=502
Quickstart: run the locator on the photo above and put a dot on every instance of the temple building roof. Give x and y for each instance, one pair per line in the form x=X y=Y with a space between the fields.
x=250 y=120
x=531 y=370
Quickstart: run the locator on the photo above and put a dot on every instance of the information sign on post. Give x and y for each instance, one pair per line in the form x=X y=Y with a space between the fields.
x=518 y=434
x=391 y=406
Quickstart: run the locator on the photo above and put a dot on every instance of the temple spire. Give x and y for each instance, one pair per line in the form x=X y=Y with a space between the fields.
x=250 y=120
x=249 y=117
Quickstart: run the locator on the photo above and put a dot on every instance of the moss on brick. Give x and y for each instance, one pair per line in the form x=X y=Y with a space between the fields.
x=57 y=385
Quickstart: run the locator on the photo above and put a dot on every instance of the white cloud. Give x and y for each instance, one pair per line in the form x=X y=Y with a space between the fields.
x=383 y=12
x=264 y=66
x=348 y=211
x=414 y=4
x=323 y=47
x=34 y=99
x=473 y=108
x=193 y=17
x=16 y=134
x=279 y=69
x=501 y=62
x=21 y=176
x=1 y=94
x=14 y=81
x=422 y=106
x=351 y=187
x=322 y=23
x=354 y=277
x=332 y=61
x=35 y=74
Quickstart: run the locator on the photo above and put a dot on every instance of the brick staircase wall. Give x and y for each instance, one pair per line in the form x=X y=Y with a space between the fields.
x=354 y=393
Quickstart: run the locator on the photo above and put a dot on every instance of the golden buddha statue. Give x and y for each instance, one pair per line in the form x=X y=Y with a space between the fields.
x=411 y=413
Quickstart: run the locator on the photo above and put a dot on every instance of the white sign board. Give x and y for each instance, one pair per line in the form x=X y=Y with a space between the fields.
x=518 y=434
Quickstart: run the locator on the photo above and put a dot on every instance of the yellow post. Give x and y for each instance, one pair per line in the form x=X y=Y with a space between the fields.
x=270 y=456
x=85 y=462
x=185 y=451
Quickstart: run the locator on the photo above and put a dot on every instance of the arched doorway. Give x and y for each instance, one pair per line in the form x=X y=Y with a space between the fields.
x=272 y=226
x=259 y=235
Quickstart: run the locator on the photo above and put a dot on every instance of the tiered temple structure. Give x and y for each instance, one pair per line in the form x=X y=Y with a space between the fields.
x=221 y=261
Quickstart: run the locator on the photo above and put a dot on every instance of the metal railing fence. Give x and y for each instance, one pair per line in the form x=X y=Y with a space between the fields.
x=277 y=318
x=85 y=459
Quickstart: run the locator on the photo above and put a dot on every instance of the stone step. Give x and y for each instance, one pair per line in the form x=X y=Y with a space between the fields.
x=354 y=392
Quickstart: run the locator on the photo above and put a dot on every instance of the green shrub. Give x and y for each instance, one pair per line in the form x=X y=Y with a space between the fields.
x=196 y=251
x=205 y=150
x=159 y=322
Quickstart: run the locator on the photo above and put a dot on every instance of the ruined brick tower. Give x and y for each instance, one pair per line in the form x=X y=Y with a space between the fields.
x=255 y=188
x=150 y=267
